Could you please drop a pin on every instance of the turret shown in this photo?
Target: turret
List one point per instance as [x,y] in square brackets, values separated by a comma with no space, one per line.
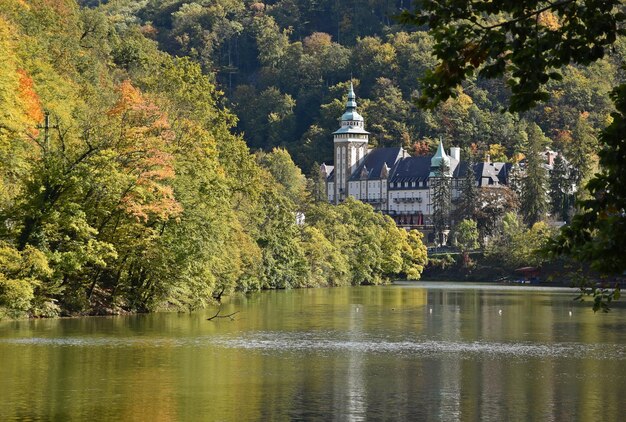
[437,160]
[351,141]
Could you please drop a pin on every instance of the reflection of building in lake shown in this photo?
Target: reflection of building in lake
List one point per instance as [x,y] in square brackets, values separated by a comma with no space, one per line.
[391,180]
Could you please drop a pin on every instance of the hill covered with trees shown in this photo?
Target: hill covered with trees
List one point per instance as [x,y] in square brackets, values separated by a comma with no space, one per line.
[284,67]
[124,188]
[147,145]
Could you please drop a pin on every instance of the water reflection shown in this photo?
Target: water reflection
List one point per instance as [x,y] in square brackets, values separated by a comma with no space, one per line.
[343,354]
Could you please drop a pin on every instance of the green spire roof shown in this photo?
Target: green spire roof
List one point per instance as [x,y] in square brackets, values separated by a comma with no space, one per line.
[351,114]
[439,158]
[351,104]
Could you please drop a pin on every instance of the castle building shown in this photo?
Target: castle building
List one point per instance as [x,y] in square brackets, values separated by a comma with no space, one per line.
[391,180]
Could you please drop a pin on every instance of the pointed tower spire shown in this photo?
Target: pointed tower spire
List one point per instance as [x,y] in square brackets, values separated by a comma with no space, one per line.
[350,142]
[438,159]
[351,117]
[441,152]
[351,104]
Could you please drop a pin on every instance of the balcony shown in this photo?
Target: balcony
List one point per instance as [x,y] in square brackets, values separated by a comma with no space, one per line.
[407,200]
[374,200]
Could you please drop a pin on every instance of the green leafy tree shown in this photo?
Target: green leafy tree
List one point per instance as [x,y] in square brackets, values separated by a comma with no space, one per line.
[23,274]
[497,153]
[387,124]
[522,39]
[581,153]
[271,41]
[414,56]
[414,254]
[284,261]
[596,234]
[375,249]
[266,117]
[329,265]
[534,200]
[518,246]
[373,58]
[286,173]
[317,184]
[466,237]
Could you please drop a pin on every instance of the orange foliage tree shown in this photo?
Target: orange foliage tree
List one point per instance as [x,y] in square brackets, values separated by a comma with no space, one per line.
[144,143]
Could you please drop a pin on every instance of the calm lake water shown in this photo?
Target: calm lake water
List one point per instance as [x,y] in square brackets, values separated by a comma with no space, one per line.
[418,351]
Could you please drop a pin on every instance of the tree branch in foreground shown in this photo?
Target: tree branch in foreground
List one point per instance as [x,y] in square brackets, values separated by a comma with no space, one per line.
[217,315]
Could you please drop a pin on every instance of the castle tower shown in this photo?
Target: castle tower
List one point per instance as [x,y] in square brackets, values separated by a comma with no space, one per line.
[350,141]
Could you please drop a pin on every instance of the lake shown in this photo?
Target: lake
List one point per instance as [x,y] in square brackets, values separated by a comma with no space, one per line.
[419,351]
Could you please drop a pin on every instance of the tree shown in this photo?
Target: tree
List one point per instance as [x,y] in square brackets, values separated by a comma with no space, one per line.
[455,119]
[286,173]
[414,254]
[441,202]
[387,124]
[494,202]
[523,40]
[596,234]
[375,249]
[534,183]
[285,264]
[271,41]
[560,189]
[497,153]
[468,202]
[581,153]
[518,246]
[266,117]
[317,184]
[329,265]
[22,273]
[466,238]
[372,59]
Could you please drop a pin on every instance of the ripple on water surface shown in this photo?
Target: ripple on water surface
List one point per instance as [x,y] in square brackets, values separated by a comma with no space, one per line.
[269,341]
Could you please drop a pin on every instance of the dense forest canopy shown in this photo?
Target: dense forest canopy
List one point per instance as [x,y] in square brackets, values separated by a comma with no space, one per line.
[154,151]
[123,187]
[284,67]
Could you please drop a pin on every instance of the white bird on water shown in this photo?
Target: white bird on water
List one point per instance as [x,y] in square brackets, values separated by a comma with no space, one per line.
[430,311]
[500,312]
[570,313]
